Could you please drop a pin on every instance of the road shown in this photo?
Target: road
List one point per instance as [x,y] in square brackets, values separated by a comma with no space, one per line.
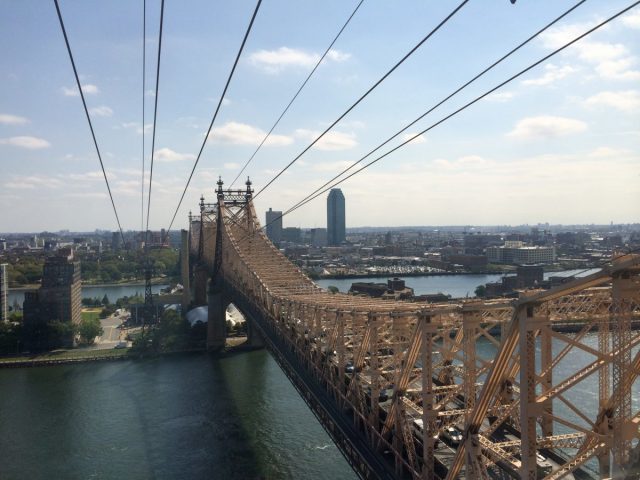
[112,335]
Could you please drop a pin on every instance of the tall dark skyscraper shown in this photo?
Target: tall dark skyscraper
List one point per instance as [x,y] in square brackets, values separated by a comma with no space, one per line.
[335,217]
[274,226]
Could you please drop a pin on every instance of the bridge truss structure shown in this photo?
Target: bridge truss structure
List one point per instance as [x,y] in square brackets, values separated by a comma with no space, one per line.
[543,386]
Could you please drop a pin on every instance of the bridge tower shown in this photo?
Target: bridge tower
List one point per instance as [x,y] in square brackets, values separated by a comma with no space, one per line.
[234,205]
[200,273]
[184,271]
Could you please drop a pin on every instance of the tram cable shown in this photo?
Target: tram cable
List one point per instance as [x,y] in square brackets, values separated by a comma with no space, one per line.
[144,63]
[224,91]
[155,113]
[451,95]
[456,112]
[86,111]
[326,52]
[371,89]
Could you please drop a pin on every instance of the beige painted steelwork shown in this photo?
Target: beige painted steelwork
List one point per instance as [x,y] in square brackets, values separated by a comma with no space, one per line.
[405,371]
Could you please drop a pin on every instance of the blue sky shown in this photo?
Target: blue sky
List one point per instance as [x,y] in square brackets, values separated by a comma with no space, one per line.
[558,145]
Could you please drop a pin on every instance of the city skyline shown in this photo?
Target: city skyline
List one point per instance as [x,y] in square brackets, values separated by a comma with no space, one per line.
[559,145]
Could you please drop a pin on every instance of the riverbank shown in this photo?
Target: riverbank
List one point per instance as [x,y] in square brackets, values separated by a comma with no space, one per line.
[500,271]
[410,274]
[131,283]
[61,357]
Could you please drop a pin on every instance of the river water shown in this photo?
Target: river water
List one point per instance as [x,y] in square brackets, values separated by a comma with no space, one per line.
[192,417]
[458,286]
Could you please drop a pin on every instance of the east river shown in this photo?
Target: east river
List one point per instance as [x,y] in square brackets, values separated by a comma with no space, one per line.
[192,416]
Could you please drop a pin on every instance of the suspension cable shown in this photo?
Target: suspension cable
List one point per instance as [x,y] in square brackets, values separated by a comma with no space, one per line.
[144,63]
[326,52]
[456,112]
[371,89]
[448,97]
[224,91]
[86,111]
[155,112]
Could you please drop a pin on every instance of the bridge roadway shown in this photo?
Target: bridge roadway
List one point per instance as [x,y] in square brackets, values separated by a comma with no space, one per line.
[345,353]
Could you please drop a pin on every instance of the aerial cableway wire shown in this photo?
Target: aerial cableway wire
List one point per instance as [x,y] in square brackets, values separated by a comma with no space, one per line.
[454,113]
[224,91]
[447,98]
[371,89]
[144,64]
[326,52]
[155,113]
[86,111]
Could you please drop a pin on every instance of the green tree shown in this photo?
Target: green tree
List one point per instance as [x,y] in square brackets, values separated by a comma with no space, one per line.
[481,291]
[105,300]
[333,289]
[89,329]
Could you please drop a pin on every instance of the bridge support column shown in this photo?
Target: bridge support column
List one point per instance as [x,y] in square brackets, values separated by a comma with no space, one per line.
[200,286]
[184,271]
[625,295]
[216,325]
[254,339]
[546,360]
[529,412]
[429,415]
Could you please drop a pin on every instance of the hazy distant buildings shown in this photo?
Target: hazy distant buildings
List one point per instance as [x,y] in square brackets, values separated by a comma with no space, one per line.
[57,300]
[4,287]
[335,217]
[274,226]
[517,253]
[318,237]
[292,234]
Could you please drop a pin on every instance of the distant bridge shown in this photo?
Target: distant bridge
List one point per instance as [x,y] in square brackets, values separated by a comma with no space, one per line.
[387,379]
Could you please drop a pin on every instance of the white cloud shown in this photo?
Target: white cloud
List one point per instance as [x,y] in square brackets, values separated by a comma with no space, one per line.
[462,163]
[136,126]
[331,141]
[273,61]
[337,56]
[546,126]
[88,89]
[167,155]
[7,119]
[612,61]
[627,101]
[237,133]
[620,69]
[501,96]
[631,20]
[602,152]
[89,176]
[231,166]
[416,141]
[101,111]
[33,181]
[552,73]
[31,143]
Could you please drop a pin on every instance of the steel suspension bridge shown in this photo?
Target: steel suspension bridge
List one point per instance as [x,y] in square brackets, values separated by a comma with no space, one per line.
[387,379]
